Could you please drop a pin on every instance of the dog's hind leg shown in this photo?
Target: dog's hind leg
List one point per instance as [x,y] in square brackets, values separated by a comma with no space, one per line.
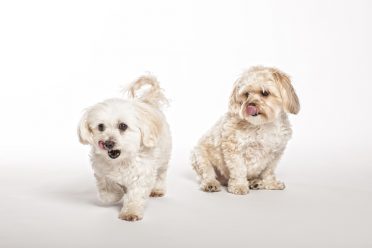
[159,188]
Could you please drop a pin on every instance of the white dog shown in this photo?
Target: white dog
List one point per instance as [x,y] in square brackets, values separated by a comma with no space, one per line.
[243,148]
[131,147]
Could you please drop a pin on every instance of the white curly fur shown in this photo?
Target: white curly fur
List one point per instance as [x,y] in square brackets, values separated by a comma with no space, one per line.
[243,148]
[145,147]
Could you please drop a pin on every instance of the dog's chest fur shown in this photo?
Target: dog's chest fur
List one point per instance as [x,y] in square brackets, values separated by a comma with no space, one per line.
[255,146]
[261,145]
[264,139]
[125,173]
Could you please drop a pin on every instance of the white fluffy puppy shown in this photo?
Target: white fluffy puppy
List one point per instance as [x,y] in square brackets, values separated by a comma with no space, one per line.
[131,146]
[243,148]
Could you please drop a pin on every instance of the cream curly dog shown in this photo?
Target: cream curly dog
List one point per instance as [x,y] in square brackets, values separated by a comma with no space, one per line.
[131,146]
[243,148]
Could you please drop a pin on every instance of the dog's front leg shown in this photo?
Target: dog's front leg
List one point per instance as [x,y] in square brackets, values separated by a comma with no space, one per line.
[267,179]
[108,191]
[135,200]
[238,183]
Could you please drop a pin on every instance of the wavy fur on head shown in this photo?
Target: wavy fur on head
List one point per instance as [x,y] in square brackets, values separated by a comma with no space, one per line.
[131,146]
[243,148]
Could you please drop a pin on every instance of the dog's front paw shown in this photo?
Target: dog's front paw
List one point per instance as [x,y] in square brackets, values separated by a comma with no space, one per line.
[211,186]
[157,193]
[266,184]
[256,184]
[238,188]
[109,197]
[276,185]
[130,216]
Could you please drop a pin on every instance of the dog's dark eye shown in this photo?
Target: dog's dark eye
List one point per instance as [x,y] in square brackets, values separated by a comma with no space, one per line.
[101,127]
[265,93]
[123,126]
[246,94]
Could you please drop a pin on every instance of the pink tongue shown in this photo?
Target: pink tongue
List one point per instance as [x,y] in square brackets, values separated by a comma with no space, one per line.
[101,144]
[251,110]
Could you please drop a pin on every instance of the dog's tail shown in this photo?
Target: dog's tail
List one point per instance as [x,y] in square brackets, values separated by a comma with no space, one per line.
[147,89]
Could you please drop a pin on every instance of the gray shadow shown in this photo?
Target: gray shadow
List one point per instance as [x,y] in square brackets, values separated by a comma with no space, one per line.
[78,192]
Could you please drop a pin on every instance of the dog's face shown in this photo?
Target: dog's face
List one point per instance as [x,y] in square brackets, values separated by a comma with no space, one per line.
[118,129]
[261,94]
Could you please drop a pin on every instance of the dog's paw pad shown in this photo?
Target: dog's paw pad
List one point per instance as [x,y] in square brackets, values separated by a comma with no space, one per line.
[157,193]
[256,184]
[130,217]
[212,186]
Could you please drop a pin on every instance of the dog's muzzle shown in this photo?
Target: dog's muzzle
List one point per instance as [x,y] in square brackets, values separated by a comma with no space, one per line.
[106,145]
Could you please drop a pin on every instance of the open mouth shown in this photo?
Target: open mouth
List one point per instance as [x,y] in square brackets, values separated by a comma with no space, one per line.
[113,153]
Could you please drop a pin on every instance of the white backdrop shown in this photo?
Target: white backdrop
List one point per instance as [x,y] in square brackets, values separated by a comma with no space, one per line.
[59,57]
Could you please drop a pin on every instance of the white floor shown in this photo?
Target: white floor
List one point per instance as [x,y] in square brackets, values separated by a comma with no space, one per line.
[54,204]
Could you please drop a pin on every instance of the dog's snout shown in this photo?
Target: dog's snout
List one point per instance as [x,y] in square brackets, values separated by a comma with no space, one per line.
[109,144]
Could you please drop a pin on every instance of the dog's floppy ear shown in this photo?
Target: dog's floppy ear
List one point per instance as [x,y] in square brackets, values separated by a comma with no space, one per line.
[84,132]
[234,102]
[150,125]
[291,103]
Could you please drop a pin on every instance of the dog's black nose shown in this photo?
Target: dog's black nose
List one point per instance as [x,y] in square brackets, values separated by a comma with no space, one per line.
[251,104]
[109,144]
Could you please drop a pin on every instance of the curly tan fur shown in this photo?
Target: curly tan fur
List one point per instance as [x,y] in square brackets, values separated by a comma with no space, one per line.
[243,148]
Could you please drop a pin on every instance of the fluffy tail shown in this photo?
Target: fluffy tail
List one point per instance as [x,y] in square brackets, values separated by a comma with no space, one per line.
[147,89]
